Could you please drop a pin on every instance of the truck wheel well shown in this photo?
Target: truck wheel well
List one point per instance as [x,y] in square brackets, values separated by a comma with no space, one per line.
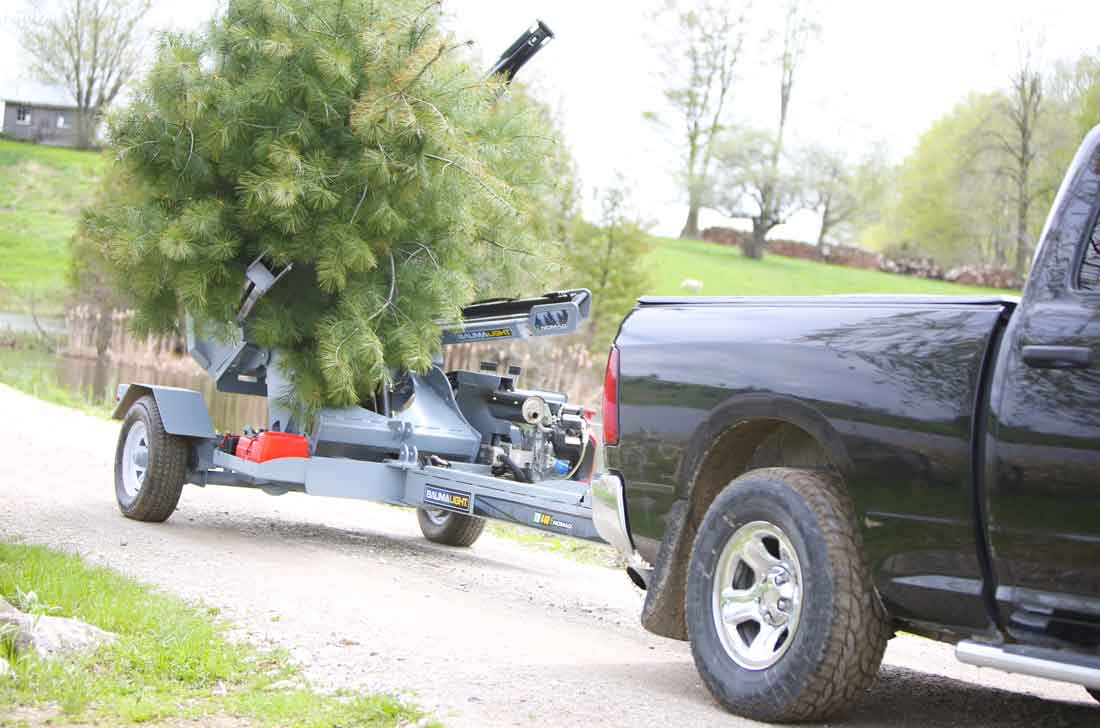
[762,443]
[748,445]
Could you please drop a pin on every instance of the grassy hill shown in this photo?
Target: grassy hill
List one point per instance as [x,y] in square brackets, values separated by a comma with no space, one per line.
[724,271]
[42,190]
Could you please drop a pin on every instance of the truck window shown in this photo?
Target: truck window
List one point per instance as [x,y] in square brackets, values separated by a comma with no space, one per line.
[1088,275]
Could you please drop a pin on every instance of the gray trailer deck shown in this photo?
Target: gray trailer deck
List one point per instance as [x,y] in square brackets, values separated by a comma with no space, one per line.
[460,446]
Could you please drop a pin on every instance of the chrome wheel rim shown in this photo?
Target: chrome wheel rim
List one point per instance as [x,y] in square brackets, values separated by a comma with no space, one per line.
[757,595]
[135,459]
[437,516]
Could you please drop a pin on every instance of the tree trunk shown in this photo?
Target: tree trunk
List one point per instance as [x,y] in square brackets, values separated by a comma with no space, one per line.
[826,223]
[1023,205]
[691,225]
[1023,248]
[754,246]
[85,126]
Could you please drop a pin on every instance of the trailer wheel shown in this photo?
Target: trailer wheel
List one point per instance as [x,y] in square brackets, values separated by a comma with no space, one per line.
[452,529]
[784,622]
[150,465]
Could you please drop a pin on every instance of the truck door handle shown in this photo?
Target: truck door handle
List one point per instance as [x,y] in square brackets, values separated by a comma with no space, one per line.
[1058,357]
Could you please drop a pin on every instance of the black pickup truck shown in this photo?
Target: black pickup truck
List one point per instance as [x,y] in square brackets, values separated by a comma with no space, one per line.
[796,478]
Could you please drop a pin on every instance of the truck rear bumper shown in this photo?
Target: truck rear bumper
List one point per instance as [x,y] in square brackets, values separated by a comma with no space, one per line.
[609,512]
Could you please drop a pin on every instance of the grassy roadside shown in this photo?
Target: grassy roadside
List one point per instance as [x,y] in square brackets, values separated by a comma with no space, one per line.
[586,552]
[171,660]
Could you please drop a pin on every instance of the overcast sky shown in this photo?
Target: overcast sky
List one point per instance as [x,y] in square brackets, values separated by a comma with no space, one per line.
[880,71]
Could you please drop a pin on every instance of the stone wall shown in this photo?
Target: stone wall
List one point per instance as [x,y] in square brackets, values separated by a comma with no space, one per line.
[855,257]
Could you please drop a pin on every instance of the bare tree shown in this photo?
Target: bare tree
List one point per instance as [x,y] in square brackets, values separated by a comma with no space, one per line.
[845,194]
[700,55]
[1020,109]
[91,47]
[830,188]
[753,182]
[760,176]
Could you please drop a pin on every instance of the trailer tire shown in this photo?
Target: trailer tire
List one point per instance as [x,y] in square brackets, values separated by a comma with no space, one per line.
[451,529]
[150,465]
[798,632]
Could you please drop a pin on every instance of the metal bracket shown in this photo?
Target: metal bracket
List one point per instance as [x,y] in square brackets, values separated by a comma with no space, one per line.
[402,430]
[408,456]
[259,280]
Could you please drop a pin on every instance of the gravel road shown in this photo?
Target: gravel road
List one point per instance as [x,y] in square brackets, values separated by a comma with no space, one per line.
[500,634]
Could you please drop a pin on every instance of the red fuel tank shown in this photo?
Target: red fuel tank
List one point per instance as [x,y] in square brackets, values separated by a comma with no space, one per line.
[271,445]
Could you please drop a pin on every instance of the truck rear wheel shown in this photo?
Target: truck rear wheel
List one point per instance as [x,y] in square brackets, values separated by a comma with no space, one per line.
[783,620]
[451,529]
[150,465]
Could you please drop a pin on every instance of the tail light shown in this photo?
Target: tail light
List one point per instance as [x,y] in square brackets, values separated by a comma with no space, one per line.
[611,399]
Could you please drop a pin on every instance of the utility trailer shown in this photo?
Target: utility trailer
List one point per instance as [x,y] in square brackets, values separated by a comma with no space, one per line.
[460,446]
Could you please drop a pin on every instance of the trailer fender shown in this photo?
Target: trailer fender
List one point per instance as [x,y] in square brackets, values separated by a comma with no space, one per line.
[183,411]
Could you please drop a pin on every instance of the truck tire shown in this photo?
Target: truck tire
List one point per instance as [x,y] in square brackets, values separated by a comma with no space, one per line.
[450,529]
[150,465]
[783,619]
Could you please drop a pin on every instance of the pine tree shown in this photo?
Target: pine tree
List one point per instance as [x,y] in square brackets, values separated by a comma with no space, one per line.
[353,138]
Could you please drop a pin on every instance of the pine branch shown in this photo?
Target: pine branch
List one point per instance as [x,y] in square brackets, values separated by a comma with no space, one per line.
[476,178]
[359,204]
[190,151]
[505,248]
[393,291]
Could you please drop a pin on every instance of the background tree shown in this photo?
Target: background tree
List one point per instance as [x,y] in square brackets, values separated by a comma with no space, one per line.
[1016,139]
[558,201]
[753,183]
[844,193]
[978,185]
[756,180]
[1074,91]
[90,275]
[950,204]
[91,48]
[702,44]
[607,257]
[1088,83]
[351,138]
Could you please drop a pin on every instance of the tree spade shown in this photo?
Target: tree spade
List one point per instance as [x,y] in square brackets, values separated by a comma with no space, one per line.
[354,139]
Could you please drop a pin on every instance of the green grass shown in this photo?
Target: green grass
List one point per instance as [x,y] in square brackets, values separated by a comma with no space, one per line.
[170,659]
[724,271]
[42,190]
[586,552]
[27,363]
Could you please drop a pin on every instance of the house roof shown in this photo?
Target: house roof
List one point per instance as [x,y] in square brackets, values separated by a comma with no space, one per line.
[36,105]
[32,93]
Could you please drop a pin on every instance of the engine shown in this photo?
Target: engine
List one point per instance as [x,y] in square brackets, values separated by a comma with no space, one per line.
[526,435]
